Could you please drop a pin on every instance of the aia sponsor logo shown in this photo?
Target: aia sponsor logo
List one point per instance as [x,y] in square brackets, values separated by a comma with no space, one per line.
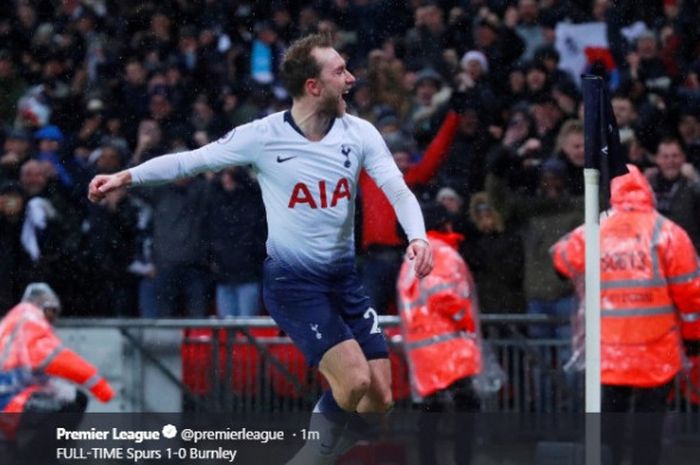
[301,194]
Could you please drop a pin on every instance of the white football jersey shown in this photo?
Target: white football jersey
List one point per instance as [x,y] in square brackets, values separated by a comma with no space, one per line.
[309,188]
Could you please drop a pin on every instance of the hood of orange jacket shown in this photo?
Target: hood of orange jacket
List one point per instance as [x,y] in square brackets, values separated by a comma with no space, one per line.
[632,192]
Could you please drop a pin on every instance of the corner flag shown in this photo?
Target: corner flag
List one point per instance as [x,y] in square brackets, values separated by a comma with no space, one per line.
[602,138]
[603,162]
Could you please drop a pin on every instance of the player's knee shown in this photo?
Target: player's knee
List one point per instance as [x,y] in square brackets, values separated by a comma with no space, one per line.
[353,389]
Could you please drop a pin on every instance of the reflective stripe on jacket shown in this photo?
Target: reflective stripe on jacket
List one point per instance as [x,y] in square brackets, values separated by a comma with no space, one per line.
[650,286]
[439,320]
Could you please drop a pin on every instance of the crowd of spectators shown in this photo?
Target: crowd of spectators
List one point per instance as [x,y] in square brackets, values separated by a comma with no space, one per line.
[95,86]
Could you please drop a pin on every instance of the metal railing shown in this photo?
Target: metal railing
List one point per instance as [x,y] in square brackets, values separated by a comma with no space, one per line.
[245,365]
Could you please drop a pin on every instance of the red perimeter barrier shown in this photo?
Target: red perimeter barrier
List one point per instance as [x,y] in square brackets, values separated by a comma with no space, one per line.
[247,361]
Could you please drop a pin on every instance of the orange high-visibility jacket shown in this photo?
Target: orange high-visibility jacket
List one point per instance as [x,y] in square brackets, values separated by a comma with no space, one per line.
[29,345]
[650,286]
[439,319]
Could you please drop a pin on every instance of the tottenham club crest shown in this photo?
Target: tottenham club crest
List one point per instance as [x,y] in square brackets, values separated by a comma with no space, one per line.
[314,328]
[345,150]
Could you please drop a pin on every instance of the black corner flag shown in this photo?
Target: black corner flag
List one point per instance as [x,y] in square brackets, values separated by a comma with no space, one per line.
[602,138]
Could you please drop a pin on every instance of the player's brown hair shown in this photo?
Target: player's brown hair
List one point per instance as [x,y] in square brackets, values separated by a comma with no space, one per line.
[299,64]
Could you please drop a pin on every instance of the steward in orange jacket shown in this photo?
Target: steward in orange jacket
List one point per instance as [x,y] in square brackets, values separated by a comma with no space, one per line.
[650,286]
[31,354]
[439,317]
[440,328]
[650,304]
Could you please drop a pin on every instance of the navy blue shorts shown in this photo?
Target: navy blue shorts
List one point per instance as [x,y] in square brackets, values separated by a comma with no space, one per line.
[318,313]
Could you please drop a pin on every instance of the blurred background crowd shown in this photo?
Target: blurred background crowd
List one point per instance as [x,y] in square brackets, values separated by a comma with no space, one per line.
[476,100]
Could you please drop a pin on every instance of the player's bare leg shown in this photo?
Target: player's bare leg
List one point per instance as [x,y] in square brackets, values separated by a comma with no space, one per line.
[378,398]
[350,377]
[347,371]
[371,411]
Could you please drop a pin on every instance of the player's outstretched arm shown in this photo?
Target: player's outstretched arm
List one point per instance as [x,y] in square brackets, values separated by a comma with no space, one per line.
[239,147]
[105,183]
[419,251]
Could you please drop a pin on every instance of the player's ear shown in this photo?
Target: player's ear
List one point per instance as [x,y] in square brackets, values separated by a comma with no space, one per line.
[313,87]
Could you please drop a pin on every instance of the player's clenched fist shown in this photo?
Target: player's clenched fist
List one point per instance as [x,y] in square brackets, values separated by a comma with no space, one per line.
[104,183]
[419,251]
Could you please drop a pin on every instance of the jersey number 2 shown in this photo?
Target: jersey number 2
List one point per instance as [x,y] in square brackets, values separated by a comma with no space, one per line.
[371,313]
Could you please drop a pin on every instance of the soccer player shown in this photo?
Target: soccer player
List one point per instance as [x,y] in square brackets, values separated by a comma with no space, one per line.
[308,160]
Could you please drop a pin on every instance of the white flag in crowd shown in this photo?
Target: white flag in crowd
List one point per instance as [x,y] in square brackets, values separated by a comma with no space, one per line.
[579,45]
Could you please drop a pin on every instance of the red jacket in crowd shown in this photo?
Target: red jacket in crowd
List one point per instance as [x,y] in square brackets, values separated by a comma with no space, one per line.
[379,223]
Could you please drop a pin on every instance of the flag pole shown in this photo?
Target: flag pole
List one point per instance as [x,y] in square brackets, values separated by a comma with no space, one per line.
[592,237]
[592,91]
[592,317]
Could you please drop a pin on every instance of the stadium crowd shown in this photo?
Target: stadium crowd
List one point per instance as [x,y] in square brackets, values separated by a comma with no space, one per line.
[471,97]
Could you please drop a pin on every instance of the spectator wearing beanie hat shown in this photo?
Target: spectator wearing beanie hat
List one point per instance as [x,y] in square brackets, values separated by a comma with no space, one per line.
[474,78]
